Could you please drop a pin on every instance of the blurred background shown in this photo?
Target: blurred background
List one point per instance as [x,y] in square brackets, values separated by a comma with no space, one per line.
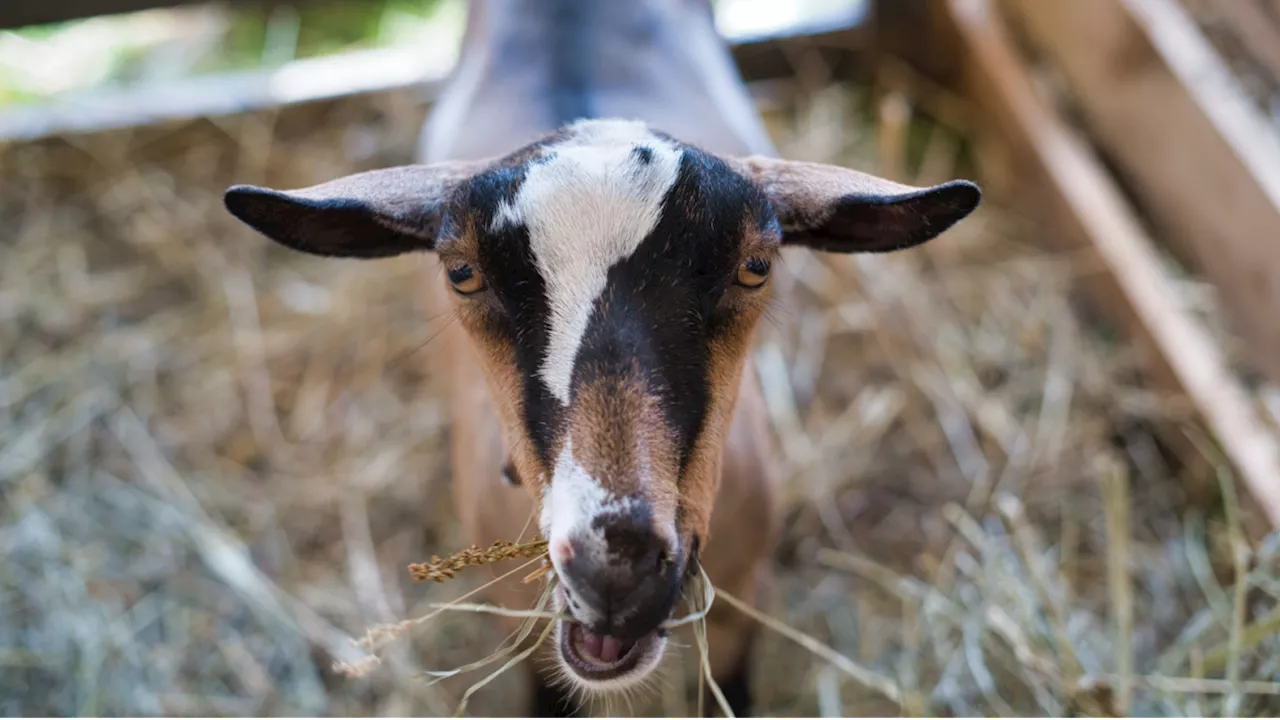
[1031,468]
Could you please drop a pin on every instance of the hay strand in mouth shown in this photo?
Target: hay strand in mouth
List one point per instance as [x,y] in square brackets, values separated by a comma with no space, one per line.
[517,658]
[531,619]
[708,597]
[442,569]
[496,610]
[704,651]
[380,635]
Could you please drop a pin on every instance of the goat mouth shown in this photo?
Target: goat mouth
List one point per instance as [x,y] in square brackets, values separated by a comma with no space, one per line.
[604,662]
[601,658]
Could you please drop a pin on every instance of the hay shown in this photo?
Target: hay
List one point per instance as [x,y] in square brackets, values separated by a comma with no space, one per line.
[217,457]
[440,570]
[706,680]
[508,652]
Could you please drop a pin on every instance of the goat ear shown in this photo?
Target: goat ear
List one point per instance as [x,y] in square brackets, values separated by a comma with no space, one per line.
[831,208]
[368,215]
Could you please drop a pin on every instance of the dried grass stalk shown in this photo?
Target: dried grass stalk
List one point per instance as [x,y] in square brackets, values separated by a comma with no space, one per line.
[864,676]
[188,417]
[440,570]
[1114,479]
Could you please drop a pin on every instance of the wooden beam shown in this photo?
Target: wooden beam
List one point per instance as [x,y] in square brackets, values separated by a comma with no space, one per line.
[20,13]
[1201,159]
[301,81]
[899,26]
[1089,211]
[418,69]
[1255,27]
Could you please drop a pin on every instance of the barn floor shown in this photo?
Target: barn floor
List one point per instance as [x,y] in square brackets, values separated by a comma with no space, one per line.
[217,458]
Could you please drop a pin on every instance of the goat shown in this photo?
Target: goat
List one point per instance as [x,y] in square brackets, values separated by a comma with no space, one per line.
[601,208]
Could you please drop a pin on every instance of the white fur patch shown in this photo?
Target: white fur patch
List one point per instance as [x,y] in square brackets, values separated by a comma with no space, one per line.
[573,501]
[587,207]
[569,509]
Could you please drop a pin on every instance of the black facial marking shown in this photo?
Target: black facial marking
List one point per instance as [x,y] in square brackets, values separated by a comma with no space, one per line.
[658,312]
[629,533]
[508,263]
[643,154]
[660,307]
[767,221]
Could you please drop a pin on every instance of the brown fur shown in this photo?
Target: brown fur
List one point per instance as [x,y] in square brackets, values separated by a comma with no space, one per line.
[619,437]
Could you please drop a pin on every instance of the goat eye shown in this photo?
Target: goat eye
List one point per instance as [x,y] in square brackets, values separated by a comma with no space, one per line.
[753,272]
[465,280]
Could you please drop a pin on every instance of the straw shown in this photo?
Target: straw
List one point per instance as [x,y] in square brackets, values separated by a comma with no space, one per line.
[217,457]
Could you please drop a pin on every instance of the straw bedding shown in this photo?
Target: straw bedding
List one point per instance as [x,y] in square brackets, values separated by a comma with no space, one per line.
[217,459]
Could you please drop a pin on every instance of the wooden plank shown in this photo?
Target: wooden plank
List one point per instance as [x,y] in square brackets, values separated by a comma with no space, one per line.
[1201,160]
[20,13]
[1255,27]
[353,73]
[899,25]
[1091,212]
[301,81]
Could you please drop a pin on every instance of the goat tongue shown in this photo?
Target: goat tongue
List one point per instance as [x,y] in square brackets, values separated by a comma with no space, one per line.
[605,648]
[592,643]
[611,649]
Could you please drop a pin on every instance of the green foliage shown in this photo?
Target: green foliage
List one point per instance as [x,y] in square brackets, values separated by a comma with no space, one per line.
[320,28]
[135,47]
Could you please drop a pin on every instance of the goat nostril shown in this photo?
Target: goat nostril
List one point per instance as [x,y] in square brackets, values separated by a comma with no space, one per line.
[662,560]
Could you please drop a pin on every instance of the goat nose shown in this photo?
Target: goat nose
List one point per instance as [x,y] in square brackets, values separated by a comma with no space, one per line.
[625,575]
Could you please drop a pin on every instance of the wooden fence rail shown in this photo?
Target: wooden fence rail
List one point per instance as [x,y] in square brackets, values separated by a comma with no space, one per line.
[19,13]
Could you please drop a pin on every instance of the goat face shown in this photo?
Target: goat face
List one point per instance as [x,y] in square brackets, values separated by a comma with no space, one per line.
[612,277]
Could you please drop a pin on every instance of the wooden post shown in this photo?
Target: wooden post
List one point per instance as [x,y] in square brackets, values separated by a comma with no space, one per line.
[20,13]
[1088,210]
[1259,32]
[1200,157]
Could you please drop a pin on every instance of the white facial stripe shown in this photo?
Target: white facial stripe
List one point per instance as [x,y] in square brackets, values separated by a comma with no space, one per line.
[588,207]
[574,500]
[505,216]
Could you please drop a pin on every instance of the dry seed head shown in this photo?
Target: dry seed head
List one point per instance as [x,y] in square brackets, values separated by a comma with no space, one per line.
[440,570]
[359,668]
[543,570]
